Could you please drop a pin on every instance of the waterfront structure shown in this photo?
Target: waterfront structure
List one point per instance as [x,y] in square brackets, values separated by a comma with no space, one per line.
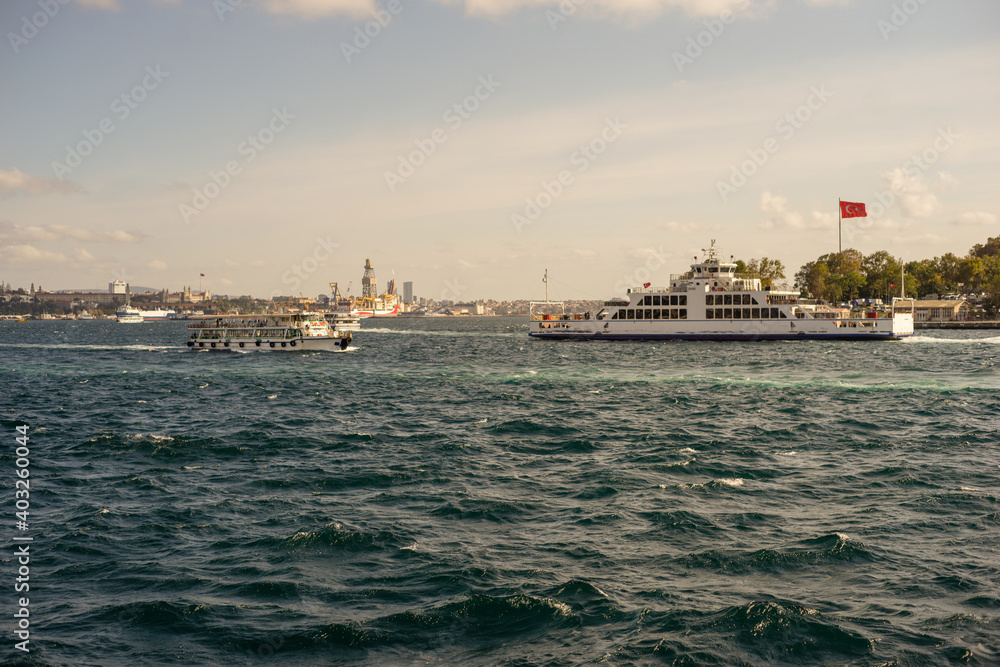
[940,310]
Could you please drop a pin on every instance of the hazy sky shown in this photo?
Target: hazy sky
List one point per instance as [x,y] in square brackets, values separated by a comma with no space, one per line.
[467,146]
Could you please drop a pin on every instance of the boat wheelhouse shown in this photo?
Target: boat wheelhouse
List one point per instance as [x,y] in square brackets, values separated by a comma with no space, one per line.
[129,315]
[713,301]
[292,332]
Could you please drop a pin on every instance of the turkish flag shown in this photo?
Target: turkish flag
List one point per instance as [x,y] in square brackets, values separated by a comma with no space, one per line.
[645,285]
[849,209]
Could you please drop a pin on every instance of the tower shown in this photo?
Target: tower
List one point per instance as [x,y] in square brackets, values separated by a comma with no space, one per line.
[369,284]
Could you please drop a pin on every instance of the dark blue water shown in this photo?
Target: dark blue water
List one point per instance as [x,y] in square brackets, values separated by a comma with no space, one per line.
[451,492]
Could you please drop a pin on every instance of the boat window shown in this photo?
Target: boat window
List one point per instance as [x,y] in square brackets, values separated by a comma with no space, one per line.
[649,313]
[683,300]
[647,301]
[728,299]
[638,313]
[755,313]
[756,302]
[710,299]
[783,316]
[728,313]
[614,316]
[656,313]
[621,314]
[737,313]
[718,299]
[684,314]
[673,313]
[656,301]
[746,313]
[710,314]
[631,314]
[765,313]
[673,299]
[746,299]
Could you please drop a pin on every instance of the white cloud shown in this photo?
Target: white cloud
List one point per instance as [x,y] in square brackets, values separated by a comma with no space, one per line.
[27,253]
[975,218]
[780,216]
[158,265]
[310,9]
[82,255]
[14,181]
[913,194]
[614,8]
[12,232]
[226,281]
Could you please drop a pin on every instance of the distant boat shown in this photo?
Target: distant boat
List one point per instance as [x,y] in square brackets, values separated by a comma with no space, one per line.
[129,316]
[292,332]
[154,315]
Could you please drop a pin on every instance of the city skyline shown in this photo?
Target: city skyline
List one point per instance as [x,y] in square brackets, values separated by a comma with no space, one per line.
[469,146]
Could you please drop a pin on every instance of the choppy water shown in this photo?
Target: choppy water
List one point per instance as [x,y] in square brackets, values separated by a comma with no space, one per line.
[450,491]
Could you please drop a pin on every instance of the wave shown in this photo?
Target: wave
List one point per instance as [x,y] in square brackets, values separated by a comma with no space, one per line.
[67,346]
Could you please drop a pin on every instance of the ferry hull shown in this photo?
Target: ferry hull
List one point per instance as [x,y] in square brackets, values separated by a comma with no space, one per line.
[893,328]
[314,344]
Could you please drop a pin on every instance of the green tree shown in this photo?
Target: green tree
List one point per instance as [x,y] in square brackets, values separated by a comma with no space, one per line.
[768,270]
[881,270]
[990,249]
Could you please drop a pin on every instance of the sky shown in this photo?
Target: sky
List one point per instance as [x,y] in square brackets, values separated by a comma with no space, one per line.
[470,145]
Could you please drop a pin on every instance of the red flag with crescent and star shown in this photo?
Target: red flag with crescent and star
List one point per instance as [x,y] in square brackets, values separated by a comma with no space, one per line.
[850,209]
[646,285]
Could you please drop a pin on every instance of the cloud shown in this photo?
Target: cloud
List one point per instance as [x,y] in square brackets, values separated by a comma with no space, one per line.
[27,253]
[158,265]
[233,264]
[975,218]
[780,216]
[913,194]
[82,255]
[579,252]
[11,232]
[226,281]
[311,9]
[614,8]
[14,181]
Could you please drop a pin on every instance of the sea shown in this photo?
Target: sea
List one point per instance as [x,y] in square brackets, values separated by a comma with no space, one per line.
[450,491]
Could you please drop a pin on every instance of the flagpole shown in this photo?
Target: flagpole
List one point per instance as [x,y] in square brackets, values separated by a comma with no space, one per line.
[840,226]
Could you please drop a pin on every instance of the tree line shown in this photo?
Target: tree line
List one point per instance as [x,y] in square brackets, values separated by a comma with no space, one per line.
[841,276]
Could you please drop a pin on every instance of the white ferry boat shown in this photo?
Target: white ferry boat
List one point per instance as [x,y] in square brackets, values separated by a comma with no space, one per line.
[158,314]
[294,332]
[129,315]
[713,302]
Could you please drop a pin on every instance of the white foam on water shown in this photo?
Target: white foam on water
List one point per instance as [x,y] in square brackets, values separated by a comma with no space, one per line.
[688,450]
[729,481]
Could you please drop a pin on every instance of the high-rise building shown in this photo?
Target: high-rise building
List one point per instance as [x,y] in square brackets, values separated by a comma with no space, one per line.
[408,292]
[117,287]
